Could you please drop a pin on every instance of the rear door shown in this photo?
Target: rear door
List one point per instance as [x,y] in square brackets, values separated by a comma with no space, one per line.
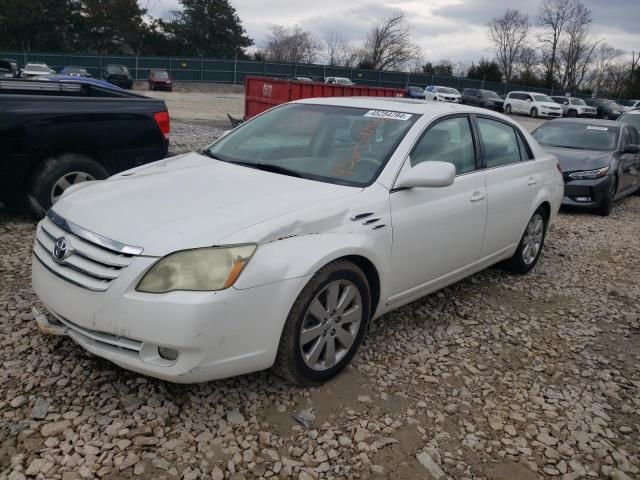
[512,184]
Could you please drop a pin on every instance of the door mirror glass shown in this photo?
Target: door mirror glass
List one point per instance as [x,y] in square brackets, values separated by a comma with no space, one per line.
[430,174]
[632,148]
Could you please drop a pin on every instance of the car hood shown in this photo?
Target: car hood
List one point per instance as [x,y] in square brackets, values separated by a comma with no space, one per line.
[190,201]
[572,160]
[552,105]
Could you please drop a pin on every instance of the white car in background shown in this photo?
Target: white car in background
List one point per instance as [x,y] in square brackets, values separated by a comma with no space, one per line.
[628,105]
[280,242]
[442,94]
[36,69]
[532,104]
[339,80]
[575,107]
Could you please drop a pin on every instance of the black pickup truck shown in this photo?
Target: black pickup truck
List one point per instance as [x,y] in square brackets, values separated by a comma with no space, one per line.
[54,134]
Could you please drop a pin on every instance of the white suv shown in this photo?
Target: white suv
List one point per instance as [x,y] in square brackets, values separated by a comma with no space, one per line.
[533,104]
[280,242]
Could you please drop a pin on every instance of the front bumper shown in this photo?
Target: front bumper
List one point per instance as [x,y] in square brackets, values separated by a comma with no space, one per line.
[217,334]
[586,193]
[550,113]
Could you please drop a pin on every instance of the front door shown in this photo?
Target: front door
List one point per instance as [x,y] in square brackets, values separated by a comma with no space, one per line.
[437,232]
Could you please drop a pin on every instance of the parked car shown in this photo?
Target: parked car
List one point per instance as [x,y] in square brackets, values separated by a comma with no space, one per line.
[118,75]
[533,104]
[574,107]
[79,80]
[607,109]
[482,98]
[200,247]
[600,160]
[36,69]
[339,80]
[160,80]
[442,94]
[9,68]
[75,72]
[55,134]
[628,105]
[414,92]
[631,118]
[301,79]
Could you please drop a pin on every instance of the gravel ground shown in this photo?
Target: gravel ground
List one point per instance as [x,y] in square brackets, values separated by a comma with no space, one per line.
[498,377]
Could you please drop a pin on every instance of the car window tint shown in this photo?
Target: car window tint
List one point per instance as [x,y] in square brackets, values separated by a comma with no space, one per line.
[500,143]
[524,151]
[447,141]
[626,137]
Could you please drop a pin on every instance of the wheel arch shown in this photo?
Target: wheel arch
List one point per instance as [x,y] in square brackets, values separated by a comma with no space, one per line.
[373,277]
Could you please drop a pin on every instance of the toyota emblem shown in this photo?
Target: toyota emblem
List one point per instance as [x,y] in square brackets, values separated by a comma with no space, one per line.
[61,250]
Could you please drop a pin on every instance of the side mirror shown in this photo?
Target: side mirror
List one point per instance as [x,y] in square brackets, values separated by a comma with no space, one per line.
[429,174]
[529,100]
[631,149]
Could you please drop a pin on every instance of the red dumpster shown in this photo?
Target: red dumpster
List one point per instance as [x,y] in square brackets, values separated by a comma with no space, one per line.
[262,93]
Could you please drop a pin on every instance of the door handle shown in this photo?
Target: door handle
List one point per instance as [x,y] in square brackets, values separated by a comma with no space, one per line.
[477,196]
[532,181]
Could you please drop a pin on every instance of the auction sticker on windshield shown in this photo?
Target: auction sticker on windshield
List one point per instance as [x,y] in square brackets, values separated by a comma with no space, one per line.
[389,115]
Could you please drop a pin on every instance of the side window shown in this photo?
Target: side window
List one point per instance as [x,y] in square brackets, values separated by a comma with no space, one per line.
[524,150]
[500,143]
[635,136]
[447,141]
[626,137]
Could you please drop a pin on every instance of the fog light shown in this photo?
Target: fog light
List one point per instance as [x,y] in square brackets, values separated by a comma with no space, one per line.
[583,199]
[168,353]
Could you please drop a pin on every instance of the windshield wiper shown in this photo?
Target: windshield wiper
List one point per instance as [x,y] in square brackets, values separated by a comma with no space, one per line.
[212,155]
[567,146]
[269,168]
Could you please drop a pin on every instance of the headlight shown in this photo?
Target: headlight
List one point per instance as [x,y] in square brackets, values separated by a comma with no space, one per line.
[590,174]
[200,269]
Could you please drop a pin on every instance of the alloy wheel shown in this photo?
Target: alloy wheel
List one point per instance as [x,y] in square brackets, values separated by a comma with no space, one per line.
[330,325]
[66,181]
[532,241]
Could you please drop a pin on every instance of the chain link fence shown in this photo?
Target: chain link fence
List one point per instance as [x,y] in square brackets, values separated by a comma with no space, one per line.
[216,70]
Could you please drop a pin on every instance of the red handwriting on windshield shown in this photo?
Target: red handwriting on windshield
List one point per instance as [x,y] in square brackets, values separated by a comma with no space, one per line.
[362,145]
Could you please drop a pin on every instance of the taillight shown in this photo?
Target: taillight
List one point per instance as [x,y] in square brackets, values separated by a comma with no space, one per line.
[162,120]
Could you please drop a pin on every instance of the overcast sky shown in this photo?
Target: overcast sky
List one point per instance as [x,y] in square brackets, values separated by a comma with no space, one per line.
[445,29]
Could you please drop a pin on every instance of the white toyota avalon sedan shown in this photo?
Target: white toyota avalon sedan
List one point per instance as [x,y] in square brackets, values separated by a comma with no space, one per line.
[279,243]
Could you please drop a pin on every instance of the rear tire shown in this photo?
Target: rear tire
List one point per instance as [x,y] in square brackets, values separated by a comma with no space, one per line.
[507,109]
[313,345]
[534,112]
[55,174]
[530,247]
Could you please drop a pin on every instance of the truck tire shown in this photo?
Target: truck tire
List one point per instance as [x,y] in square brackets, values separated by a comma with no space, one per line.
[55,174]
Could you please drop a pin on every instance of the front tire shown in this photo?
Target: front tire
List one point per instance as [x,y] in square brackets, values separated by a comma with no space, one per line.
[507,109]
[572,114]
[534,112]
[604,209]
[530,247]
[325,326]
[55,174]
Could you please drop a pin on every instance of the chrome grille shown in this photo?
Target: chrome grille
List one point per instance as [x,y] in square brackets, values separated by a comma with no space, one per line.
[88,265]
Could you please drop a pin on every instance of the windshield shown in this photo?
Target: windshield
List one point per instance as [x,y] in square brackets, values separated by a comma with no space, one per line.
[543,98]
[341,145]
[117,69]
[577,101]
[447,90]
[577,135]
[631,119]
[611,104]
[162,75]
[344,81]
[37,68]
[490,94]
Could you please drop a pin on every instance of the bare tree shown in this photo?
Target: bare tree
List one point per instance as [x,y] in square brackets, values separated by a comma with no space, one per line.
[576,50]
[553,17]
[291,45]
[389,45]
[605,57]
[338,52]
[508,34]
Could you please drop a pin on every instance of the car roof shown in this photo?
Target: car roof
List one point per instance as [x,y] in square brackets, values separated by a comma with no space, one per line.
[585,121]
[400,104]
